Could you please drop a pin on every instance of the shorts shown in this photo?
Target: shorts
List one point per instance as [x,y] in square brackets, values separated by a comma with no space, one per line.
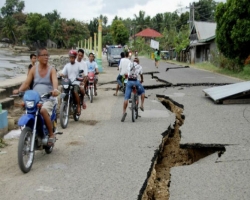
[49,106]
[76,88]
[130,84]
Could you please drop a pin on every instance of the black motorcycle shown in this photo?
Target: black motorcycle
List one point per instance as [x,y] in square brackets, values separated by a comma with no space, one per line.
[68,101]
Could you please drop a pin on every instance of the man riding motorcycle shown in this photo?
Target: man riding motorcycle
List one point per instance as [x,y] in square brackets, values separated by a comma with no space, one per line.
[44,79]
[92,67]
[71,70]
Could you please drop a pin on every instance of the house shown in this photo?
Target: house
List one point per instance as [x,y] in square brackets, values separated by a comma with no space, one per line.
[51,44]
[202,41]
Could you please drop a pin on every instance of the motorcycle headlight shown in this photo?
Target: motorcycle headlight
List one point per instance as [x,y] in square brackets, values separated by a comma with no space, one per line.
[30,104]
[65,86]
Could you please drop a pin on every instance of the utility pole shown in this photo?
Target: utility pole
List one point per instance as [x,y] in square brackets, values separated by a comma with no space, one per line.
[191,15]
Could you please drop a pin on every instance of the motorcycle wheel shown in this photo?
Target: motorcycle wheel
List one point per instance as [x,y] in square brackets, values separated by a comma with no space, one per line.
[91,95]
[64,118]
[133,107]
[48,149]
[25,157]
[75,116]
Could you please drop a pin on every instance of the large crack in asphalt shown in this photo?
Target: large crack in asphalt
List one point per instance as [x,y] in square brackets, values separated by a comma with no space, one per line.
[171,154]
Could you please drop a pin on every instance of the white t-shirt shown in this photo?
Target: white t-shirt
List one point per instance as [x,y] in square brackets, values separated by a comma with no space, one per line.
[83,66]
[123,66]
[72,71]
[134,70]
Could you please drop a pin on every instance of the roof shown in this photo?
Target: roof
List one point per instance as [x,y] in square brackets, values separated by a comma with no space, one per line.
[205,30]
[149,33]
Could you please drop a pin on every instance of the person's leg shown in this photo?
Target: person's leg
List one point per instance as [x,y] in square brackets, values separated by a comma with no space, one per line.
[82,100]
[76,94]
[119,77]
[46,111]
[126,98]
[141,92]
[119,80]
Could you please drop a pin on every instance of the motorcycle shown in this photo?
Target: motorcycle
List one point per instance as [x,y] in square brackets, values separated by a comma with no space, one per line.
[90,85]
[34,134]
[68,101]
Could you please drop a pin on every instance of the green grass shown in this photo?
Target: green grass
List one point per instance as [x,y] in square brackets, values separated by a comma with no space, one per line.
[244,74]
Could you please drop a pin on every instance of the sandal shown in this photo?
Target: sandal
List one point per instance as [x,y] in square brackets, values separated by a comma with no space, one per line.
[142,109]
[115,94]
[51,140]
[123,117]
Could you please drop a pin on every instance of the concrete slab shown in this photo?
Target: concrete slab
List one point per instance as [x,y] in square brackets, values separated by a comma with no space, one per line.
[227,91]
[222,181]
[235,153]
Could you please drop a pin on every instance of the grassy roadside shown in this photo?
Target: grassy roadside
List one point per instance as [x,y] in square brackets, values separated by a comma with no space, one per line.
[243,75]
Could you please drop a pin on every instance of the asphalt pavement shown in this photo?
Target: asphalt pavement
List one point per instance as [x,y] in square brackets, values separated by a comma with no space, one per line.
[100,157]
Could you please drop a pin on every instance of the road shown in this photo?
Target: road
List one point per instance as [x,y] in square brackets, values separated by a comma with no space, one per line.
[100,157]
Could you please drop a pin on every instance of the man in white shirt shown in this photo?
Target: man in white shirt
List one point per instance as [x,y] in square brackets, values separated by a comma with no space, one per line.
[71,70]
[123,69]
[81,62]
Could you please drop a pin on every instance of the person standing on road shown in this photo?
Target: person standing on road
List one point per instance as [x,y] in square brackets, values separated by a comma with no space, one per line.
[157,57]
[45,81]
[134,70]
[71,70]
[33,63]
[123,69]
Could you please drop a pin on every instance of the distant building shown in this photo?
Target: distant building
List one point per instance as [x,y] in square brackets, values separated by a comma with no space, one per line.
[51,44]
[202,41]
[148,34]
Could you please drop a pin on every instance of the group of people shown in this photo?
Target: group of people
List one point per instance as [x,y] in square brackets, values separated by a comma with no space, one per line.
[132,70]
[44,79]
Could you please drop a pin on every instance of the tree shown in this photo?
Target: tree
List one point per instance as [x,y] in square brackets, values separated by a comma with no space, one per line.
[93,26]
[53,16]
[119,32]
[183,20]
[105,20]
[142,21]
[38,27]
[233,32]
[11,7]
[9,28]
[205,10]
[157,22]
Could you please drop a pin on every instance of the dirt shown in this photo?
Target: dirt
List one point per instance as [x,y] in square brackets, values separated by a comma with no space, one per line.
[170,155]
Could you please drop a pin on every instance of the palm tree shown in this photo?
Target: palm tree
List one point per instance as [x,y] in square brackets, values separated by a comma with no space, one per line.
[141,21]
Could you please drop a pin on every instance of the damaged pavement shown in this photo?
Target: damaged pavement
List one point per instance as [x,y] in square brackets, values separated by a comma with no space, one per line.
[221,131]
[183,146]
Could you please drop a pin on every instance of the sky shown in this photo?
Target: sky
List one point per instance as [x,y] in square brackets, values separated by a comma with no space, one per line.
[86,10]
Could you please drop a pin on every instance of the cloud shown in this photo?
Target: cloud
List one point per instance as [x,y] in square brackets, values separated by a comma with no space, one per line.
[113,6]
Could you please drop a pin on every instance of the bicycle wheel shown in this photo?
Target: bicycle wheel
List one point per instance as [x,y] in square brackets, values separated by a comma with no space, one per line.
[136,106]
[133,106]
